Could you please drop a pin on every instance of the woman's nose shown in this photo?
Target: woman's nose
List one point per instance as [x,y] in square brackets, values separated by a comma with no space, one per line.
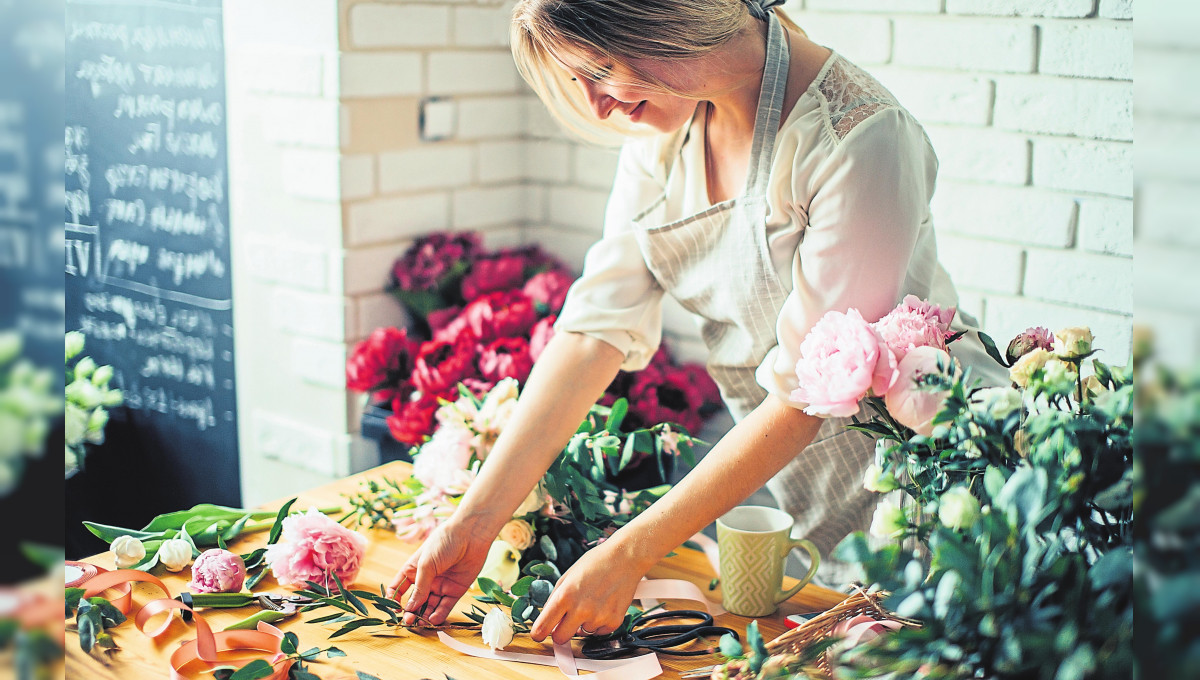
[601,104]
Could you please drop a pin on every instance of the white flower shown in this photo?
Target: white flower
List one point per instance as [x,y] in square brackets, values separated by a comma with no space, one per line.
[1073,342]
[497,629]
[517,533]
[175,554]
[74,343]
[532,503]
[497,406]
[1059,375]
[997,402]
[128,551]
[958,508]
[1022,371]
[889,520]
[875,480]
[501,564]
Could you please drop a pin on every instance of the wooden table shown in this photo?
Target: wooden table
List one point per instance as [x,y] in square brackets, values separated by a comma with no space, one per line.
[388,654]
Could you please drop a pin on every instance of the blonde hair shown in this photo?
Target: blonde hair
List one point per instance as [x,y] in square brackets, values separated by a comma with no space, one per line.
[618,32]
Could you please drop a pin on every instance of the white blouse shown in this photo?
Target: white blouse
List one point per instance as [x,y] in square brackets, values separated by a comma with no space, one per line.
[848,225]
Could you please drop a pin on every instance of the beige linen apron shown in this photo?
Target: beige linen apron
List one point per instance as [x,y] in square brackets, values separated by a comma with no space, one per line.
[717,264]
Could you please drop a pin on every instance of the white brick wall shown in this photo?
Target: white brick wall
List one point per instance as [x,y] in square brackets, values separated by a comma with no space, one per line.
[386,219]
[1100,109]
[978,45]
[1022,8]
[1087,50]
[379,25]
[426,167]
[380,74]
[472,72]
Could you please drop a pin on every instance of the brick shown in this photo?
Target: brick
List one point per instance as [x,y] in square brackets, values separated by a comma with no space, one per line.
[1086,50]
[940,97]
[889,6]
[502,237]
[472,73]
[863,39]
[482,26]
[1106,225]
[1092,167]
[367,269]
[982,265]
[1023,215]
[1159,73]
[980,45]
[279,71]
[304,24]
[294,443]
[311,173]
[425,167]
[1087,280]
[980,154]
[358,176]
[1023,8]
[539,123]
[386,74]
[388,219]
[275,260]
[569,245]
[479,208]
[1116,9]
[1167,148]
[303,121]
[972,303]
[1168,24]
[535,203]
[1059,106]
[547,161]
[378,310]
[317,316]
[439,119]
[595,167]
[1007,316]
[1166,212]
[380,123]
[375,25]
[485,117]
[501,161]
[581,209]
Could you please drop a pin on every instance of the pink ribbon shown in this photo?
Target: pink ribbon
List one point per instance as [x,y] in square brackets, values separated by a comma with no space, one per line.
[641,667]
[862,629]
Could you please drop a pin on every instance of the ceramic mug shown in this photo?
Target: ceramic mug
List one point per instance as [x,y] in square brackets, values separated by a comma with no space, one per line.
[754,543]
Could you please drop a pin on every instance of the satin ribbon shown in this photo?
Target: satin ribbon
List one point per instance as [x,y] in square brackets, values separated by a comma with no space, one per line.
[862,629]
[206,649]
[711,551]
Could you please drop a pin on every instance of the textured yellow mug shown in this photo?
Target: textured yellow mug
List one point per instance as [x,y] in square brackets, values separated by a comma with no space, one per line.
[754,543]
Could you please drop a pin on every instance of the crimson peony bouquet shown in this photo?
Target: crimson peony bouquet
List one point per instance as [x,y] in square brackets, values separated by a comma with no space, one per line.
[481,317]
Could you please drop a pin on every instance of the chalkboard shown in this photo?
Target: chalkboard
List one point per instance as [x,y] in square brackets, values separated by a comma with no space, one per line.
[147,247]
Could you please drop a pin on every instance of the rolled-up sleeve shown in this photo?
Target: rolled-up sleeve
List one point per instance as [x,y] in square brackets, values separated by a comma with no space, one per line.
[617,299]
[869,201]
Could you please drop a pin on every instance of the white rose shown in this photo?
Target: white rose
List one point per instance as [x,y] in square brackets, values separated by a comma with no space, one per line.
[889,520]
[958,508]
[532,503]
[128,551]
[1022,371]
[175,554]
[517,533]
[997,402]
[1073,342]
[875,480]
[497,629]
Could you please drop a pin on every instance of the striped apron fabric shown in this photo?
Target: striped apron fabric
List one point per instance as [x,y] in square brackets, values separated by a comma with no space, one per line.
[717,264]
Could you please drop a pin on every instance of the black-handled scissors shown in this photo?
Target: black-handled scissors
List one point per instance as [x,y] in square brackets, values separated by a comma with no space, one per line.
[636,635]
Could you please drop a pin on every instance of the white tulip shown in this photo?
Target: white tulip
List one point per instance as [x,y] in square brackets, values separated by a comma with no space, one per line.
[175,554]
[497,629]
[128,551]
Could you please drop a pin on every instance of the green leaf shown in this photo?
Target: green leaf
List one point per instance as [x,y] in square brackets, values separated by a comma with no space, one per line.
[365,676]
[253,670]
[545,570]
[277,528]
[521,587]
[355,625]
[255,578]
[326,618]
[993,481]
[235,530]
[547,546]
[730,647]
[629,450]
[318,588]
[108,534]
[288,645]
[616,415]
[45,556]
[990,347]
[539,592]
[88,629]
[72,599]
[334,652]
[488,586]
[518,608]
[109,614]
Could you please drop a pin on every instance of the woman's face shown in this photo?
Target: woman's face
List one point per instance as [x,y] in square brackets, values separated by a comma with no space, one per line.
[614,90]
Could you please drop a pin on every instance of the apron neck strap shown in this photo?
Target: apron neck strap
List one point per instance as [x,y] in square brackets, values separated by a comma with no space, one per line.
[770,106]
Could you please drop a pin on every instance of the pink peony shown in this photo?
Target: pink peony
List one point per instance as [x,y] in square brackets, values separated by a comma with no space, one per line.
[1033,338]
[549,289]
[932,313]
[923,380]
[217,571]
[428,510]
[843,359]
[540,336]
[915,323]
[500,315]
[443,456]
[312,547]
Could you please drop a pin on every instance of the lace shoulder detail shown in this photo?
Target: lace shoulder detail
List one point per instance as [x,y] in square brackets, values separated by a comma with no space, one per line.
[852,96]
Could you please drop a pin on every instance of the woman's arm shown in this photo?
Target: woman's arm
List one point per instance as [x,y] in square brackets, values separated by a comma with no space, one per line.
[596,592]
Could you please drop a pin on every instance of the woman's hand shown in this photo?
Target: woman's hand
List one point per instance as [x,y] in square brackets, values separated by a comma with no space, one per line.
[440,572]
[594,595]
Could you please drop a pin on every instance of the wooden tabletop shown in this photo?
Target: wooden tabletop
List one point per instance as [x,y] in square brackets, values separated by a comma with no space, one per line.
[389,654]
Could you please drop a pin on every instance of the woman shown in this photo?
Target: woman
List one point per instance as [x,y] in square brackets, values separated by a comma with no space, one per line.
[780,182]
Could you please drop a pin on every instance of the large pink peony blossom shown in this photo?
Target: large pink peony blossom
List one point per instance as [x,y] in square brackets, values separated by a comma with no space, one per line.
[923,380]
[312,547]
[915,323]
[441,458]
[217,571]
[843,359]
[549,289]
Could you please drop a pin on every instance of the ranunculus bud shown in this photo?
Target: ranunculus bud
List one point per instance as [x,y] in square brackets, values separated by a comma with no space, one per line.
[1059,375]
[497,629]
[958,508]
[85,367]
[102,375]
[889,521]
[517,533]
[1073,342]
[1033,338]
[128,551]
[1022,371]
[175,554]
[74,342]
[217,571]
[997,402]
[84,393]
[112,398]
[875,480]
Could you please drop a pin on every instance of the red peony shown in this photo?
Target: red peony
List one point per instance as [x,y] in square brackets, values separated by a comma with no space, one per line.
[500,315]
[705,385]
[506,358]
[411,421]
[441,364]
[549,288]
[432,259]
[543,332]
[489,273]
[383,361]
[534,258]
[440,318]
[666,396]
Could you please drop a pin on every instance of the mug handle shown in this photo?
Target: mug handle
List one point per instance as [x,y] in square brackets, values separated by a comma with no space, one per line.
[812,570]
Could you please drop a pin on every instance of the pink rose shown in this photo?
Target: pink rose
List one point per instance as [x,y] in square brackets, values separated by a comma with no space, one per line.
[506,358]
[549,289]
[217,571]
[924,378]
[543,332]
[428,510]
[843,359]
[313,546]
